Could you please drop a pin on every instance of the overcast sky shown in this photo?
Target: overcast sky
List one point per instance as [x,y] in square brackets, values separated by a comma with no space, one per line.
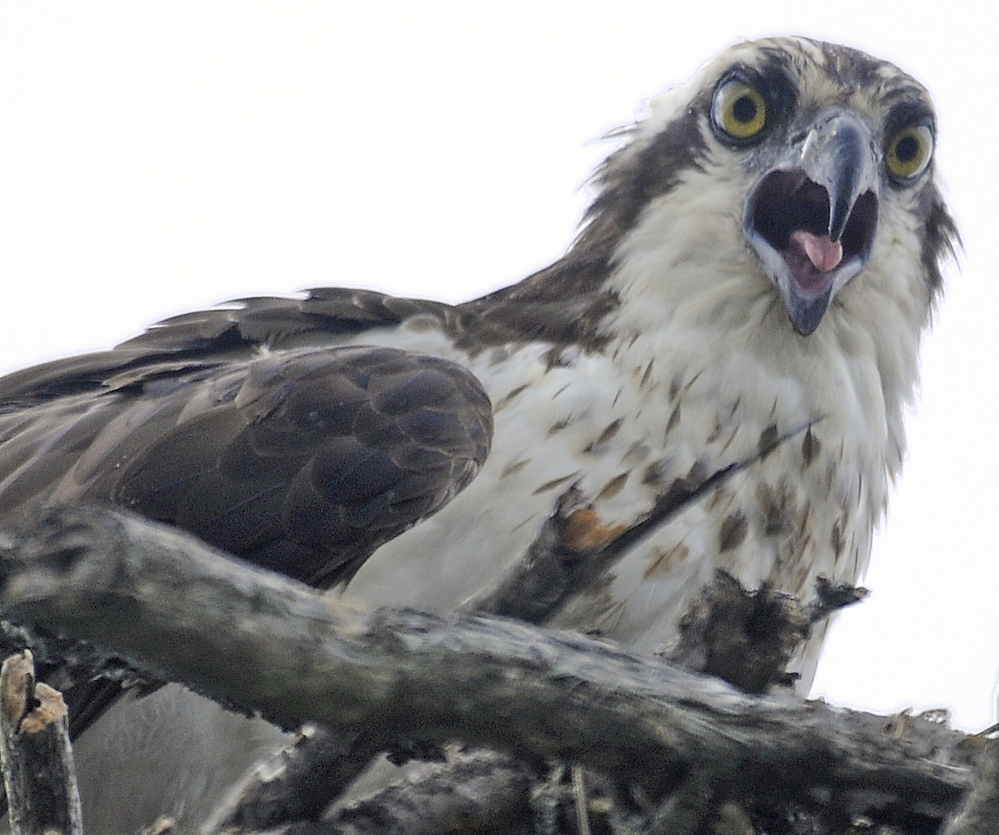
[157,157]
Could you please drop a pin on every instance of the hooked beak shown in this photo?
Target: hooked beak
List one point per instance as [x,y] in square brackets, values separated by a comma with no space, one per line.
[811,219]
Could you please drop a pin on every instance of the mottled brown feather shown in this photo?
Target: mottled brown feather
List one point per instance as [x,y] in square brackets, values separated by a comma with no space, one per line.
[304,461]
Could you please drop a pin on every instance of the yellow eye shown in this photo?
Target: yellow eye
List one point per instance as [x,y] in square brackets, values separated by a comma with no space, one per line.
[908,152]
[739,110]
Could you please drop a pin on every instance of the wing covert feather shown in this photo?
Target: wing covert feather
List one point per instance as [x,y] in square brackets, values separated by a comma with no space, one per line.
[304,461]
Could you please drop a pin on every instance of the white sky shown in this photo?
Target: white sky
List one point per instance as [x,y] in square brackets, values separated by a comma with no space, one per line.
[161,156]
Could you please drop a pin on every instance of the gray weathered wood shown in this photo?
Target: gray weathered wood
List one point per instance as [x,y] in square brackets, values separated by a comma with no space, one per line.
[35,754]
[157,596]
[478,791]
[295,783]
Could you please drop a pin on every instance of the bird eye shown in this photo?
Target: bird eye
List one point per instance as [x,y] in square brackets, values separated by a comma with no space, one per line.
[908,152]
[739,110]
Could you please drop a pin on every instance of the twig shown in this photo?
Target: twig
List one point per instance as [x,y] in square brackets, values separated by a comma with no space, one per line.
[831,597]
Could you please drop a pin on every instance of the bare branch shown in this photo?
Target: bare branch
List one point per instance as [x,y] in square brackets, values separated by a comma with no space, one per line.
[479,791]
[831,597]
[296,783]
[156,595]
[35,753]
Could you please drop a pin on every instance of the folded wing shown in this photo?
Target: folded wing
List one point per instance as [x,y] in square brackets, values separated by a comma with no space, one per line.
[303,461]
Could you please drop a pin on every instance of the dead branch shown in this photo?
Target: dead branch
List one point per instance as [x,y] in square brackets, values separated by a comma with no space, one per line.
[174,607]
[743,637]
[573,548]
[478,791]
[474,792]
[298,782]
[35,753]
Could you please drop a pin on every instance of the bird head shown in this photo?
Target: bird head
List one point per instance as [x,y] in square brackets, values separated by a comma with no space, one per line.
[784,173]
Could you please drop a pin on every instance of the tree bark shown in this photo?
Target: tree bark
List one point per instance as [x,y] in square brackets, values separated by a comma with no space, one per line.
[177,609]
[35,753]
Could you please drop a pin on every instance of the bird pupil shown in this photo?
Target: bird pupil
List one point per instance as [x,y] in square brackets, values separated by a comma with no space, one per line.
[744,109]
[907,148]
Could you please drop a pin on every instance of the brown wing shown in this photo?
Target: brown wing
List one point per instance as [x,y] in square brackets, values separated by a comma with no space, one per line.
[302,461]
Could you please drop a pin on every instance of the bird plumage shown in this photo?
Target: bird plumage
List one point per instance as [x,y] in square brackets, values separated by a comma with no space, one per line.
[749,287]
[667,351]
[304,461]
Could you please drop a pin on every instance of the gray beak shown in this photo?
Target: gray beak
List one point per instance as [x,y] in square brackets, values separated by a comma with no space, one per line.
[811,219]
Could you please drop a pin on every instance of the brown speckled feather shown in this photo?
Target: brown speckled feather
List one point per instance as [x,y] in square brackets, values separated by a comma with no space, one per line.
[304,461]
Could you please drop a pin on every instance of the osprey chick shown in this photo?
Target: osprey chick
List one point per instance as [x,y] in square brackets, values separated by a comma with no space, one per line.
[749,288]
[747,294]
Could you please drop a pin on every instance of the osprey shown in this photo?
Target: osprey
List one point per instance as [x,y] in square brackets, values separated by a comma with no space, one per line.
[746,296]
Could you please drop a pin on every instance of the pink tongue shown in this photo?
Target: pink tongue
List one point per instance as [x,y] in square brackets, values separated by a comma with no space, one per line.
[824,254]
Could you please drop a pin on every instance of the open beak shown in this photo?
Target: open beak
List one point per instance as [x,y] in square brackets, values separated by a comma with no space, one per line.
[811,218]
